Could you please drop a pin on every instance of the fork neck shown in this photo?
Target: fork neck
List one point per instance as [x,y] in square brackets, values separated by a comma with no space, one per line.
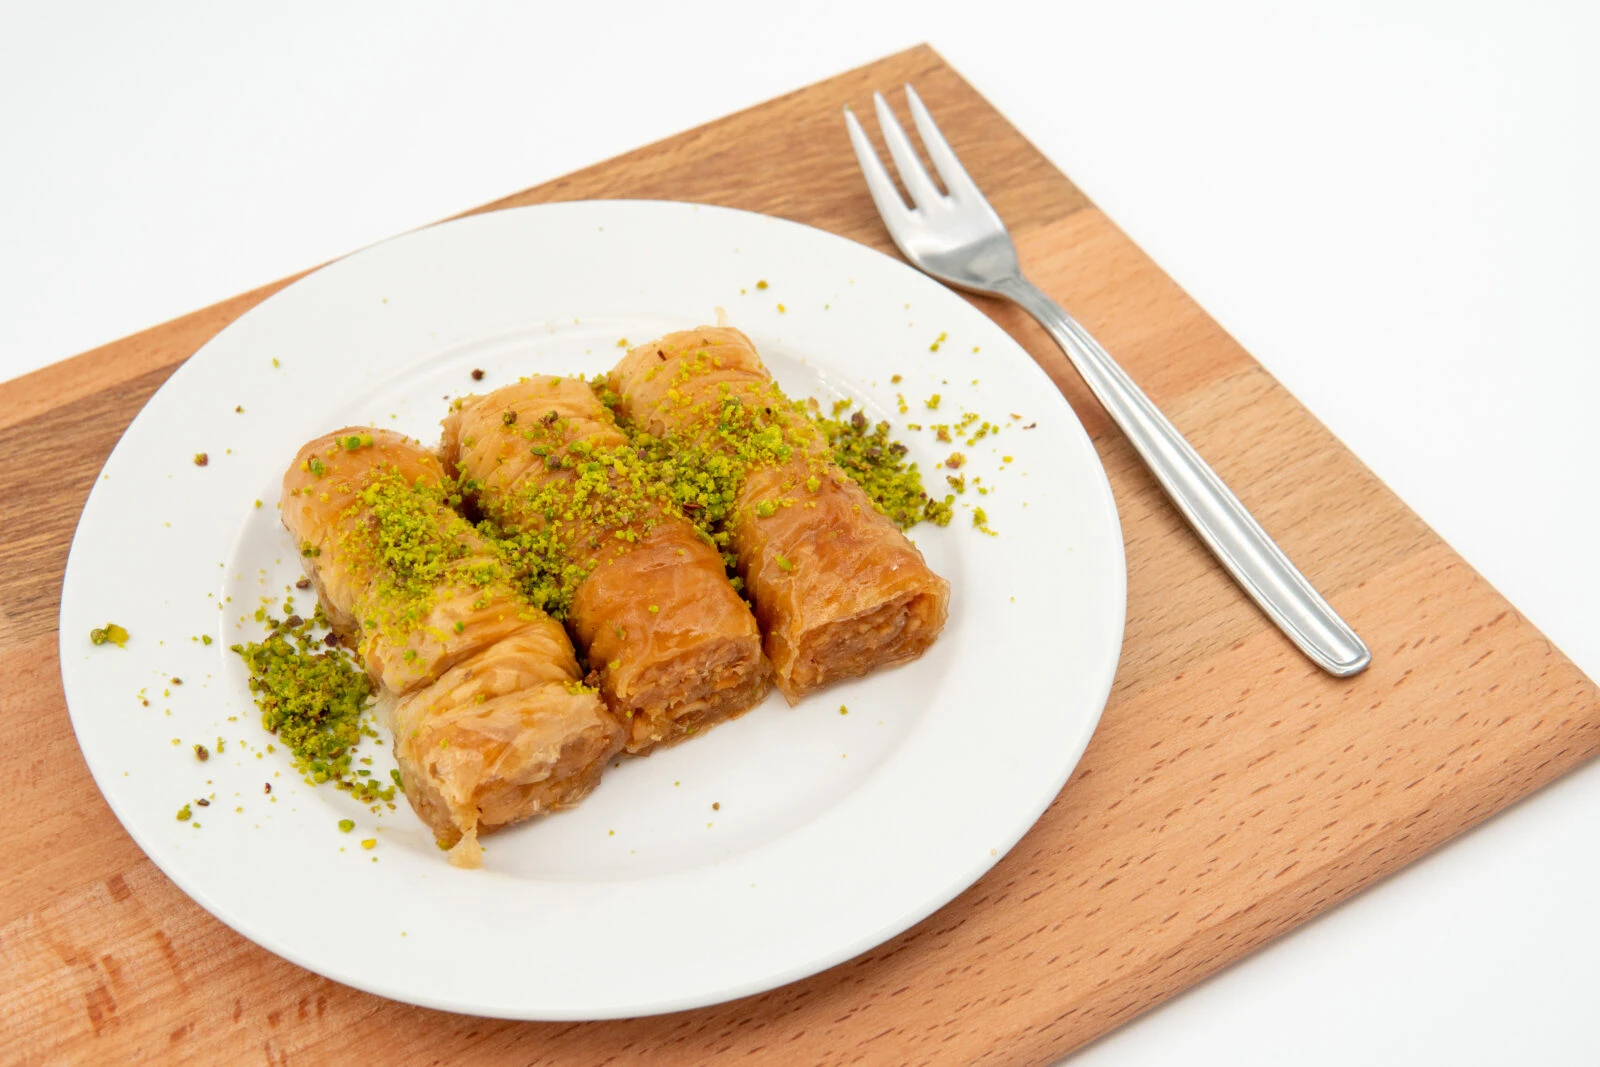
[1035,302]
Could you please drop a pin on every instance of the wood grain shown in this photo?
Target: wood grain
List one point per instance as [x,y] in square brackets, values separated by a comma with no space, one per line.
[1231,792]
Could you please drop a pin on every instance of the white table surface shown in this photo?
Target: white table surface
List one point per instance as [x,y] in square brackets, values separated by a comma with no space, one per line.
[1392,206]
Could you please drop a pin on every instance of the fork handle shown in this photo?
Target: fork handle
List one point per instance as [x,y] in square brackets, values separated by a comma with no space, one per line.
[1232,534]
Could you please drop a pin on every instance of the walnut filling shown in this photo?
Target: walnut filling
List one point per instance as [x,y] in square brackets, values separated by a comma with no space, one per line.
[694,692]
[895,632]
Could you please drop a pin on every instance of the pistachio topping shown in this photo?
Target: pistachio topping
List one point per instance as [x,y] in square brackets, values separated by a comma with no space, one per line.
[315,699]
[110,633]
[878,464]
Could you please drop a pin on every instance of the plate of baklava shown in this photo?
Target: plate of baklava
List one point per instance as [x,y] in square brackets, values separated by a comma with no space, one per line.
[592,610]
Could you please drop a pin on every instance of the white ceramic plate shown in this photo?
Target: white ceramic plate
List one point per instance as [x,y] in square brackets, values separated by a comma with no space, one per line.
[831,832]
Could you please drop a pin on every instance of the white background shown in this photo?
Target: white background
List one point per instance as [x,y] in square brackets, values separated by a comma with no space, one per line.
[1392,206]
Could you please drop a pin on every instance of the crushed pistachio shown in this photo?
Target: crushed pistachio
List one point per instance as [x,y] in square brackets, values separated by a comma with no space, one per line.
[410,543]
[184,813]
[877,463]
[109,633]
[346,825]
[314,698]
[201,459]
[547,533]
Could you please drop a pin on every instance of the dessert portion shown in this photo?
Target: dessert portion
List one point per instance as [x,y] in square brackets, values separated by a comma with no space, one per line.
[491,721]
[838,590]
[670,644]
[687,524]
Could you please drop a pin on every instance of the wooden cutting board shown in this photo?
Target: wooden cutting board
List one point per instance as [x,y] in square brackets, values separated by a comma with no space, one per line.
[1231,793]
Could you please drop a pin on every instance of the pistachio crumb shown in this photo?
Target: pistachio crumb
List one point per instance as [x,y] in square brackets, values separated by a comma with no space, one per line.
[110,633]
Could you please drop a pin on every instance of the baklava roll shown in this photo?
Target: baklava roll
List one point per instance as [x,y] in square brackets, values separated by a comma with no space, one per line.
[838,590]
[670,643]
[490,719]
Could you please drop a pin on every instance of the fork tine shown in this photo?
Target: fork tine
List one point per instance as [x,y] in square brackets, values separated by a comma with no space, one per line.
[945,161]
[923,192]
[879,184]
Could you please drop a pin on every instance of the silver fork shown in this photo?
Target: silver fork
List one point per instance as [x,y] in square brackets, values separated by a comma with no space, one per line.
[960,240]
